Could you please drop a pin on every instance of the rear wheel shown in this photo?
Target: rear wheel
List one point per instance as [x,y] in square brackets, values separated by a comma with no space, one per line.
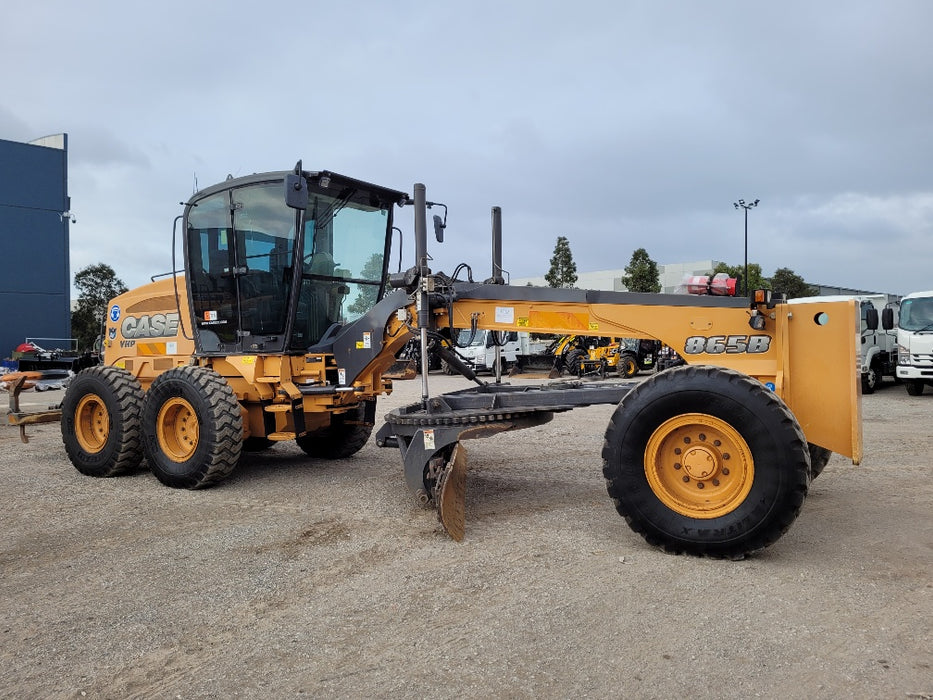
[819,458]
[345,436]
[706,461]
[192,428]
[870,380]
[100,421]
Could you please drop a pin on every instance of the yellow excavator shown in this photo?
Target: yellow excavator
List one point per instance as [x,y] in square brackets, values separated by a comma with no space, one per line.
[286,321]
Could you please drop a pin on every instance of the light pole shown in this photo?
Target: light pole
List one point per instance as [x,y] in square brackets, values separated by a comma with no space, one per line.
[742,205]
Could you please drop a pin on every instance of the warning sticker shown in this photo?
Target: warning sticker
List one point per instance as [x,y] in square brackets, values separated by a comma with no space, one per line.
[429,439]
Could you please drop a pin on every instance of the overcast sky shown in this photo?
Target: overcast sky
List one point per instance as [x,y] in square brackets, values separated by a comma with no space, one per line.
[616,124]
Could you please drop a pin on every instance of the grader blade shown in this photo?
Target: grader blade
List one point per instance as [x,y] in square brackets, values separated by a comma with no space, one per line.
[450,494]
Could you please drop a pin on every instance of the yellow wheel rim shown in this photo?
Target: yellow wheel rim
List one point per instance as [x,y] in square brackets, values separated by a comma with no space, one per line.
[699,466]
[92,423]
[177,429]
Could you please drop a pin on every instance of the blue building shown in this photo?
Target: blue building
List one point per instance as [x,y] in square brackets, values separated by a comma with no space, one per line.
[35,213]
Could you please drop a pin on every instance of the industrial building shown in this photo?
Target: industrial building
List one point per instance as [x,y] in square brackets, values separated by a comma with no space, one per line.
[35,213]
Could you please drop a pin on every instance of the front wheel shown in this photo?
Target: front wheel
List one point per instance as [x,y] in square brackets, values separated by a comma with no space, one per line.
[192,427]
[706,461]
[914,388]
[345,436]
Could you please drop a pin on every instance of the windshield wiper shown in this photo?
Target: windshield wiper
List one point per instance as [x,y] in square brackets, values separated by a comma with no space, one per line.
[339,203]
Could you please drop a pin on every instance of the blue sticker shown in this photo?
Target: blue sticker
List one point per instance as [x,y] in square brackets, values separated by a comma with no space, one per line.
[770,385]
[114,313]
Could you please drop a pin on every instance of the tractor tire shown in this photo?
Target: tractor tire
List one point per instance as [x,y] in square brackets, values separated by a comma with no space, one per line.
[572,361]
[819,457]
[628,366]
[344,437]
[192,428]
[914,388]
[706,461]
[100,421]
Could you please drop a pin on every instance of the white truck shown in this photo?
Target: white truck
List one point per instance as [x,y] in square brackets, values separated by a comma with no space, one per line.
[914,341]
[878,347]
[479,353]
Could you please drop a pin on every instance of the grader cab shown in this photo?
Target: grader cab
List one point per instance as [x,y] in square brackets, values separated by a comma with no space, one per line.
[283,328]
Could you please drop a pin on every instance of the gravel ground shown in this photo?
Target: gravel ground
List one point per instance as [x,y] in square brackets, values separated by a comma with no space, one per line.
[326,579]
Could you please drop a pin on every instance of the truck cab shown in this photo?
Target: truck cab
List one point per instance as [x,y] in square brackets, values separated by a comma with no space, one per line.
[877,345]
[479,353]
[914,341]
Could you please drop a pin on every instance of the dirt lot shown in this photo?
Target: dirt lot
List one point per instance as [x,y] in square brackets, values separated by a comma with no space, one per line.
[326,579]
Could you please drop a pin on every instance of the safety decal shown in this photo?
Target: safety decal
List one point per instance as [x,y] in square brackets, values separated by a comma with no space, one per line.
[115,313]
[505,314]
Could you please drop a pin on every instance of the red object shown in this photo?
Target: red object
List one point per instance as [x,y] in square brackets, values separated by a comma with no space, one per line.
[720,285]
[698,284]
[26,347]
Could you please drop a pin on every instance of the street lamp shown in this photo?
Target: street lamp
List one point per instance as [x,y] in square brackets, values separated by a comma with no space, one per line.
[742,205]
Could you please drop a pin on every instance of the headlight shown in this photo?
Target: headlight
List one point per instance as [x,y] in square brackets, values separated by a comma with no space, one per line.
[903,355]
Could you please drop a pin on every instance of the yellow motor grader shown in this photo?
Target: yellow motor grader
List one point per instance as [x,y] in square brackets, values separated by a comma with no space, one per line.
[287,320]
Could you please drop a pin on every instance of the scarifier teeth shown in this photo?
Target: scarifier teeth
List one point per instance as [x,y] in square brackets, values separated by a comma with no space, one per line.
[451,494]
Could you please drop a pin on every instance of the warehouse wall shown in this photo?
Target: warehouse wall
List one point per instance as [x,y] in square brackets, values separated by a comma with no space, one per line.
[35,285]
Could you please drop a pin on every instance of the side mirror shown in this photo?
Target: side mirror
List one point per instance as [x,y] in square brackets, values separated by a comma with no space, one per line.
[439,227]
[887,318]
[296,191]
[871,319]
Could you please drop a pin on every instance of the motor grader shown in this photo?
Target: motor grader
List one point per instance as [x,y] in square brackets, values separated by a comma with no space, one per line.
[286,321]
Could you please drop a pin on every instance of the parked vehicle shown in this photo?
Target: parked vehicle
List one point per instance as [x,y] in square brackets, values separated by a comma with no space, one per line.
[668,358]
[914,340]
[479,351]
[877,346]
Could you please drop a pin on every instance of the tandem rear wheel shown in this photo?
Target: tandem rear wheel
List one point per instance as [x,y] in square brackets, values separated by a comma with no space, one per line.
[706,461]
[101,422]
[192,427]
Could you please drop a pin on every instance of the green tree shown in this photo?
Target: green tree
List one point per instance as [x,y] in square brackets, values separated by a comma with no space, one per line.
[755,280]
[791,284]
[563,271]
[96,285]
[641,274]
[366,299]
